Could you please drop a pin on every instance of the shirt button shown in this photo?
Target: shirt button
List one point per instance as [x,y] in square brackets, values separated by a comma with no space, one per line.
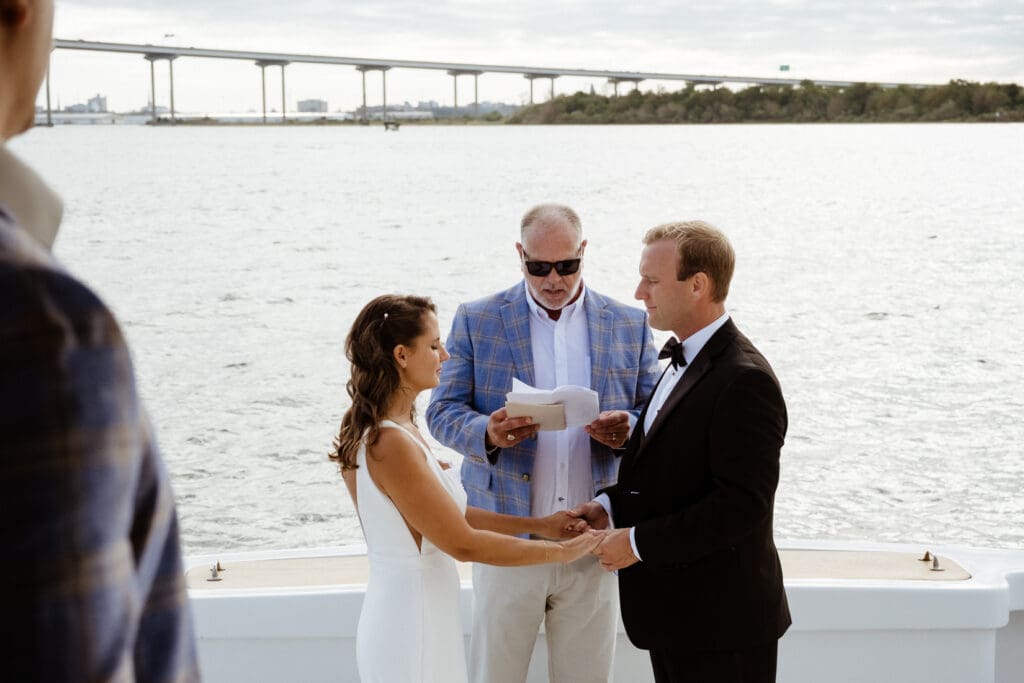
[561,499]
[526,477]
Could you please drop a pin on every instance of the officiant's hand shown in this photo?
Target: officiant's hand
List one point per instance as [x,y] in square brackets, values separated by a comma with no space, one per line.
[615,551]
[610,428]
[589,515]
[504,431]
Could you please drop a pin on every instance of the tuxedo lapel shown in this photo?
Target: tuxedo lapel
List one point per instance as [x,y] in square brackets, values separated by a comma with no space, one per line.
[695,371]
[701,364]
[515,316]
[637,436]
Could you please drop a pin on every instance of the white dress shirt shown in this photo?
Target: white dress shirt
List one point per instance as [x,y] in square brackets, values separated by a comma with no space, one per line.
[692,345]
[562,476]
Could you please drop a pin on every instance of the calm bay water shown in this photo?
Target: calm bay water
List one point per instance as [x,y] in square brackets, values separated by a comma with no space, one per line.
[880,270]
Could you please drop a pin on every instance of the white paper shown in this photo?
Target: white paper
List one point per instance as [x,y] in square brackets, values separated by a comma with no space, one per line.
[581,404]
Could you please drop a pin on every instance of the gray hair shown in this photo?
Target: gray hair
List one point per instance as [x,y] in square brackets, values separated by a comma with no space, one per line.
[546,212]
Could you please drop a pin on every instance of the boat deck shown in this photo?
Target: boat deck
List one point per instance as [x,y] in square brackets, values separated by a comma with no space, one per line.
[352,570]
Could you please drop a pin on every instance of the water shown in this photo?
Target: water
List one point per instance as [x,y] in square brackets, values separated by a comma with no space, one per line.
[879,270]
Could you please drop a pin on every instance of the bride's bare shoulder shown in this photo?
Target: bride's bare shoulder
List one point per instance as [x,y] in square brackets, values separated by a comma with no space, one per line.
[393,447]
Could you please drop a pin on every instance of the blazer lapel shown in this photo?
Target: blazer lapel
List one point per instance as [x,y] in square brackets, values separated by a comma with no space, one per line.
[515,316]
[599,328]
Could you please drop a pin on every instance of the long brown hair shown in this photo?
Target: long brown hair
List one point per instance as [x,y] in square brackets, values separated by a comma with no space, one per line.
[383,324]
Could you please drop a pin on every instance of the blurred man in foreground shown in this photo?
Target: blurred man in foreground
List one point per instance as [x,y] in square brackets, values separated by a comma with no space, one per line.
[91,583]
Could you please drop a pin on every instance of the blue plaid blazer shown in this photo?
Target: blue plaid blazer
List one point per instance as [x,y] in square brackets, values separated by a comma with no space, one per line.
[489,345]
[91,580]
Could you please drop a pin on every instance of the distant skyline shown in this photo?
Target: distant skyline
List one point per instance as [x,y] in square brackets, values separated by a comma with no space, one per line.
[914,41]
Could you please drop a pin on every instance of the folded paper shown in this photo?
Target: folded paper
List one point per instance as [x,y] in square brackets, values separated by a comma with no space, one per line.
[553,409]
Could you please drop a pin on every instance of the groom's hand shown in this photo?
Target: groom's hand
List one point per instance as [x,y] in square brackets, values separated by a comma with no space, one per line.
[589,515]
[615,552]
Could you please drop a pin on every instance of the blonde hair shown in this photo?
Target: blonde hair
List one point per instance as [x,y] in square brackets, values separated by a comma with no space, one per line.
[702,248]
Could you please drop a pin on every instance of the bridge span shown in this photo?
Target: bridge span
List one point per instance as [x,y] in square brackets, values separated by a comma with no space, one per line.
[155,53]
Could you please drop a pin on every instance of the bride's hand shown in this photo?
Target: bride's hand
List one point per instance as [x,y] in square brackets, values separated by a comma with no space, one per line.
[581,545]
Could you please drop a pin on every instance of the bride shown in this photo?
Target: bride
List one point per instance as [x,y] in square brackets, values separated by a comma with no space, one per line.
[414,516]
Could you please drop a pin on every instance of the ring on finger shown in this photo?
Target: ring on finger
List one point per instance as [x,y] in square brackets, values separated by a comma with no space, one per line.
[511,436]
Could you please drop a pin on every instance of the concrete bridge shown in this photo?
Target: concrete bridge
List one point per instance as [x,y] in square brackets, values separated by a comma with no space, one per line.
[155,53]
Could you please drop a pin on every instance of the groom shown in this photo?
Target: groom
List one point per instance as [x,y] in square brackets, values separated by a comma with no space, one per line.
[700,582]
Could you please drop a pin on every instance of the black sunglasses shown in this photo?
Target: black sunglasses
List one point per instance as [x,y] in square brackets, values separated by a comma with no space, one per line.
[542,268]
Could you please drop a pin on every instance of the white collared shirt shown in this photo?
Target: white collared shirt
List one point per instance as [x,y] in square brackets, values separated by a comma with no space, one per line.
[562,476]
[27,202]
[692,345]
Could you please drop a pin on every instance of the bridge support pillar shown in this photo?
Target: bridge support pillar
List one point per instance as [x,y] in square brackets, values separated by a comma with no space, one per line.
[533,77]
[263,90]
[455,73]
[263,64]
[362,112]
[152,59]
[383,86]
[49,110]
[616,80]
[170,70]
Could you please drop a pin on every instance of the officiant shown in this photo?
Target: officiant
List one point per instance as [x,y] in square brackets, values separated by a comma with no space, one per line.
[548,330]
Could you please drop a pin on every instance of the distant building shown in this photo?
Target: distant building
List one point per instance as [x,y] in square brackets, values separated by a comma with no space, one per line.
[76,108]
[313,105]
[97,104]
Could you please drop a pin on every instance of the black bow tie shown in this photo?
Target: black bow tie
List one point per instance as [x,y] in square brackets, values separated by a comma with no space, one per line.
[674,351]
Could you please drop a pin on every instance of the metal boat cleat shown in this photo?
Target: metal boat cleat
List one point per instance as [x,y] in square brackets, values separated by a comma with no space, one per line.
[214,574]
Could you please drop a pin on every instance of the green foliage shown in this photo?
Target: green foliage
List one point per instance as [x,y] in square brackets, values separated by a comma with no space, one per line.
[862,102]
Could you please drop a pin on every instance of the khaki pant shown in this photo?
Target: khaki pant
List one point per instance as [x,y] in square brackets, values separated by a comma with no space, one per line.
[578,604]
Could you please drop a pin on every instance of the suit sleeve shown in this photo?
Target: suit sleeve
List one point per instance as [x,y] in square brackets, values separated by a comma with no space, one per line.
[746,435]
[452,416]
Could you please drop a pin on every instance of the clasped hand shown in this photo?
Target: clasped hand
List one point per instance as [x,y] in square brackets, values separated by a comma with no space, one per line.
[614,551]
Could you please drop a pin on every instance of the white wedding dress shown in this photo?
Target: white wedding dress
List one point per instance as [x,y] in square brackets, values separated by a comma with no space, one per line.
[410,629]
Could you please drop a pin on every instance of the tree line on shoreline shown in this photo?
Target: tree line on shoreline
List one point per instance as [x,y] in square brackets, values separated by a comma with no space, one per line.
[807,103]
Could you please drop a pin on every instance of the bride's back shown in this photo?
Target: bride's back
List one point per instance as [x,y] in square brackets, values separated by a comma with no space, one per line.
[385,530]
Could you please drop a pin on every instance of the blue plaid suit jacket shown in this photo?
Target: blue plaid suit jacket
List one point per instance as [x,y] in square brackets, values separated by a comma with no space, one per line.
[489,345]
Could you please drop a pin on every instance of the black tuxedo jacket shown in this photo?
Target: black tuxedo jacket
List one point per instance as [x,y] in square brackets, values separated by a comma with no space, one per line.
[700,490]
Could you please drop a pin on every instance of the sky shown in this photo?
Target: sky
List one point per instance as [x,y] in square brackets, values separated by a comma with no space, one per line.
[915,41]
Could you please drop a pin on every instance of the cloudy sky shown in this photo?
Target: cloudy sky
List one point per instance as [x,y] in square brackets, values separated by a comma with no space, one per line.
[917,41]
